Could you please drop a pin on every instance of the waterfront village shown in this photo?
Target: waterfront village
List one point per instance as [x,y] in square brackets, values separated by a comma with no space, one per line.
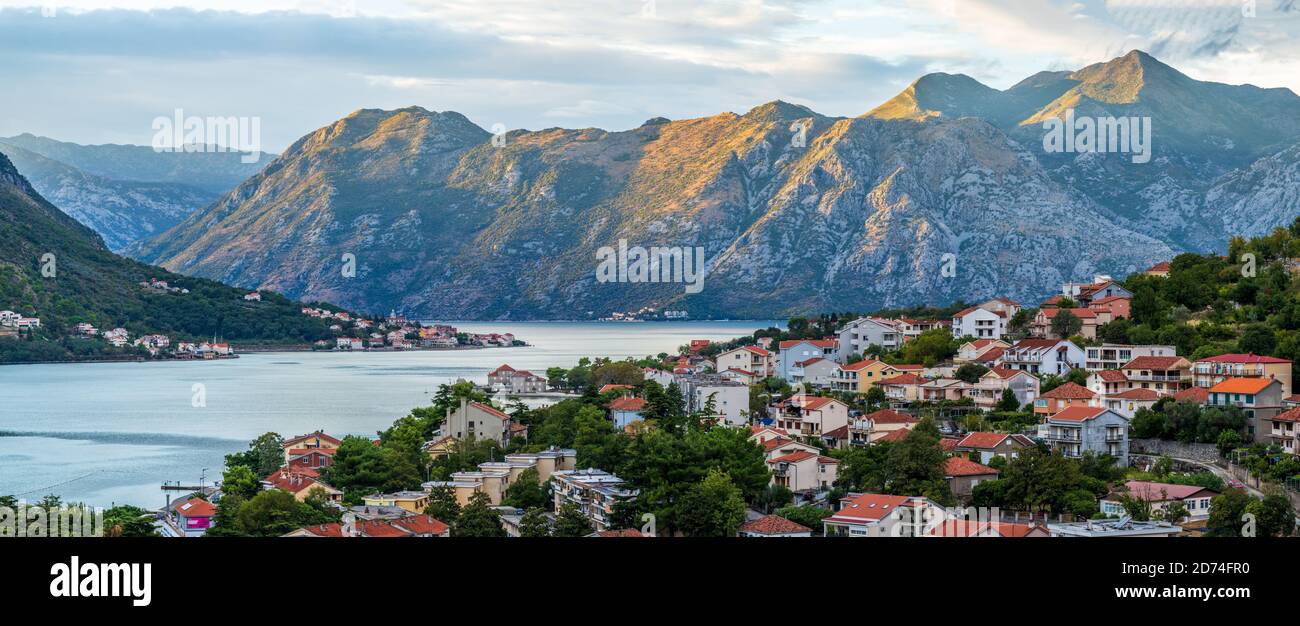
[353,333]
[995,420]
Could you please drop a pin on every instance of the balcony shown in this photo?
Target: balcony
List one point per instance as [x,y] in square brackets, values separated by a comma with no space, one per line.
[1114,437]
[1160,378]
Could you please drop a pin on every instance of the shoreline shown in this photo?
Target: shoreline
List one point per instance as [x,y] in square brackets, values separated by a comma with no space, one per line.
[294,349]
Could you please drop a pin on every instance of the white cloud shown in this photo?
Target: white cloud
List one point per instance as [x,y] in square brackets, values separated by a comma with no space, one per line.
[99,69]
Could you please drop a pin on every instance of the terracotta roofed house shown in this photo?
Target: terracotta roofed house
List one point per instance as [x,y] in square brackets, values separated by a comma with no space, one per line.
[773,526]
[1064,396]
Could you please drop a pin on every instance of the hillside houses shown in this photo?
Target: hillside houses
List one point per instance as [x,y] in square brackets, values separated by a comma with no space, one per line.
[508,380]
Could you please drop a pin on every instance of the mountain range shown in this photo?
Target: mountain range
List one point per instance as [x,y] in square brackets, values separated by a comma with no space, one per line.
[125,193]
[943,193]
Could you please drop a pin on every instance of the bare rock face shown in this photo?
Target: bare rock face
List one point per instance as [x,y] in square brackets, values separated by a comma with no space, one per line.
[943,193]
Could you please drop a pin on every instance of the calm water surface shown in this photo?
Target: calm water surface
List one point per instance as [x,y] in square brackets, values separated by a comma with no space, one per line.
[113,432]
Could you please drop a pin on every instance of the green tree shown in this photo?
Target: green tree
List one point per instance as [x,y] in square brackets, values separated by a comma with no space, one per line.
[129,521]
[915,465]
[526,492]
[970,372]
[1274,516]
[713,508]
[1008,403]
[570,522]
[807,515]
[264,455]
[534,523]
[443,505]
[271,513]
[240,481]
[1226,512]
[1258,339]
[1066,324]
[478,519]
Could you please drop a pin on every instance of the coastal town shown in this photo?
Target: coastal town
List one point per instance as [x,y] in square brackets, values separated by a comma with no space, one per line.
[992,420]
[350,332]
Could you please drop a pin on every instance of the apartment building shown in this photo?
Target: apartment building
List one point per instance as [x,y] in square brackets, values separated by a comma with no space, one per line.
[730,398]
[494,477]
[799,351]
[760,362]
[979,323]
[1216,369]
[1284,431]
[595,492]
[1043,356]
[879,515]
[508,380]
[1112,356]
[809,416]
[1080,429]
[1259,398]
[862,333]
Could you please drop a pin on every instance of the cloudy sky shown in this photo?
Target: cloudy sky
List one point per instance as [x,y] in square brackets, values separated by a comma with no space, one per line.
[100,71]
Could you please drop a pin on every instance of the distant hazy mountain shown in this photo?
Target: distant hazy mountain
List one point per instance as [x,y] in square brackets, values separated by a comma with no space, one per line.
[216,172]
[120,211]
[797,212]
[91,284]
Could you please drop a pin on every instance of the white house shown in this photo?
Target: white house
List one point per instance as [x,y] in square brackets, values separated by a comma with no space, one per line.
[799,351]
[862,333]
[1043,356]
[730,399]
[979,323]
[758,361]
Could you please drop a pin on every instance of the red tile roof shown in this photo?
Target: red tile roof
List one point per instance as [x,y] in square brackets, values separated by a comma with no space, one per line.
[1160,492]
[422,525]
[895,435]
[622,532]
[1198,394]
[773,525]
[324,437]
[803,455]
[196,507]
[1154,363]
[904,379]
[890,416]
[1111,376]
[1137,394]
[611,387]
[869,507]
[859,365]
[627,404]
[1288,416]
[818,343]
[961,466]
[1078,413]
[490,410]
[1079,313]
[1242,385]
[992,354]
[980,439]
[1069,391]
[292,481]
[1242,358]
[972,528]
[947,443]
[1162,266]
